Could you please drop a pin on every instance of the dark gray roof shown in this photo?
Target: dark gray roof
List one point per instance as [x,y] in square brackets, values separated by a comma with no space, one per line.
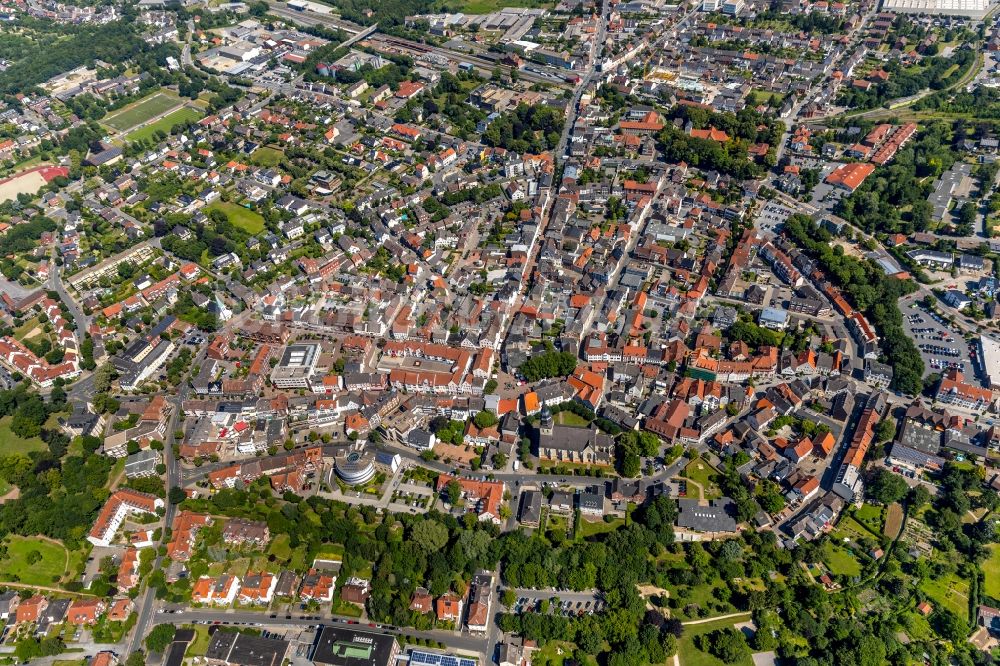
[343,647]
[531,507]
[711,516]
[246,650]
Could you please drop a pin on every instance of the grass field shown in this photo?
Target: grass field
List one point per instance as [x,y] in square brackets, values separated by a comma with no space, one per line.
[765,96]
[568,418]
[244,218]
[851,529]
[22,331]
[489,6]
[840,561]
[589,528]
[164,124]
[11,443]
[950,592]
[199,646]
[893,520]
[991,569]
[47,571]
[141,111]
[870,516]
[555,653]
[701,472]
[266,157]
[692,656]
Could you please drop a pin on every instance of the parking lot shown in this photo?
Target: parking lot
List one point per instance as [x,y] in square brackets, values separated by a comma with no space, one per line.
[580,603]
[941,347]
[771,216]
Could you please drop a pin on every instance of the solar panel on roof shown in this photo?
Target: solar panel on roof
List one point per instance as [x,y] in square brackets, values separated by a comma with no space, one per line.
[437,659]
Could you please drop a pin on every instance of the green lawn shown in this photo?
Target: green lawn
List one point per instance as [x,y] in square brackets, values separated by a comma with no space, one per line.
[199,646]
[164,124]
[554,653]
[765,96]
[697,597]
[49,570]
[991,569]
[950,592]
[490,6]
[568,418]
[850,528]
[692,656]
[589,528]
[840,561]
[920,628]
[142,111]
[701,472]
[244,218]
[341,607]
[266,157]
[21,332]
[870,516]
[11,443]
[280,547]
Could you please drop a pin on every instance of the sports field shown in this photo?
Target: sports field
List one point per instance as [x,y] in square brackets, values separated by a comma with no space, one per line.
[29,182]
[141,111]
[165,124]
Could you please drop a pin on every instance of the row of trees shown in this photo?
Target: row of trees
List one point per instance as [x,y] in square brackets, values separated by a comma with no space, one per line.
[872,292]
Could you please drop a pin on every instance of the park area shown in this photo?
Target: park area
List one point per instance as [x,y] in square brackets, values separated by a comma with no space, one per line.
[11,444]
[164,124]
[244,218]
[35,561]
[142,111]
[689,655]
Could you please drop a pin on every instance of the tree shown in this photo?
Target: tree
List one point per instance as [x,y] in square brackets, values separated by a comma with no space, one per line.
[885,430]
[430,535]
[176,495]
[160,638]
[631,465]
[485,419]
[886,487]
[728,645]
[949,626]
[919,496]
[453,491]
